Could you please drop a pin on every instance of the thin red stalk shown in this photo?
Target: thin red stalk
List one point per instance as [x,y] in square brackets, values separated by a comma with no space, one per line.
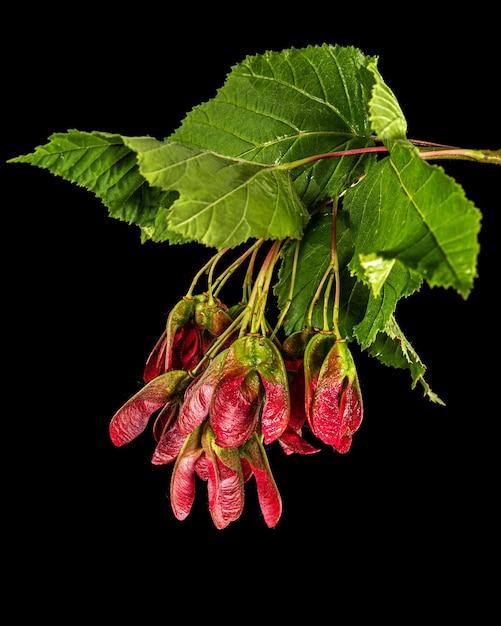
[341,153]
[440,153]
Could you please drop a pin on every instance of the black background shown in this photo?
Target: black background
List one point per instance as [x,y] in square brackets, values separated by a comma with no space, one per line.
[411,510]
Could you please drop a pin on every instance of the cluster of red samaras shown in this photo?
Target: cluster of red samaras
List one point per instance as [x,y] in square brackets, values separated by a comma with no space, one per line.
[215,414]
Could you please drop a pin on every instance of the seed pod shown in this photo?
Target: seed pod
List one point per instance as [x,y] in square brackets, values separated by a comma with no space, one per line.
[337,408]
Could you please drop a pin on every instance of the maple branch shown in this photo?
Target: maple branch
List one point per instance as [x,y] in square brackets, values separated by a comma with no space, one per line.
[446,152]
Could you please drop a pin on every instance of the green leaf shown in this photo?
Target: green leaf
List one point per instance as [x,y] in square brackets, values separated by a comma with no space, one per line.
[101,163]
[411,213]
[280,107]
[385,114]
[381,306]
[222,201]
[393,349]
[377,270]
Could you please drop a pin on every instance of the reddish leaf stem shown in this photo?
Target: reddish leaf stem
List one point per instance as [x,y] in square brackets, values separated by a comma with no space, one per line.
[442,152]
